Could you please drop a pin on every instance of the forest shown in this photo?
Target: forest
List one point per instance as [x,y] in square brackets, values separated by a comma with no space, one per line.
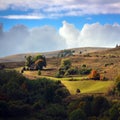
[45,99]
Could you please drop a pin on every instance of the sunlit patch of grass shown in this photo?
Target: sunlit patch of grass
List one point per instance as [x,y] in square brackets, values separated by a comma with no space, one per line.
[73,83]
[88,86]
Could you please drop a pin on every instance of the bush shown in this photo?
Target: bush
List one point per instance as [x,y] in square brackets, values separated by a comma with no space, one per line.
[56,112]
[58,75]
[65,64]
[84,65]
[39,72]
[38,105]
[114,112]
[77,114]
[117,84]
[62,92]
[99,105]
[111,91]
[78,91]
[71,71]
[84,71]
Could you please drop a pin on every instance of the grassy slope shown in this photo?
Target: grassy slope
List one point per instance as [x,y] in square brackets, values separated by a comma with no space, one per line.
[88,86]
[85,86]
[96,61]
[21,57]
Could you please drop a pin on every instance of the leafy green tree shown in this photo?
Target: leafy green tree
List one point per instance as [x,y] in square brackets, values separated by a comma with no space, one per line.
[39,64]
[41,57]
[65,53]
[29,61]
[66,64]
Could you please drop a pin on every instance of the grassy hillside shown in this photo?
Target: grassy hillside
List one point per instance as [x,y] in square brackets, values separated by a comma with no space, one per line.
[21,57]
[88,86]
[106,62]
[85,86]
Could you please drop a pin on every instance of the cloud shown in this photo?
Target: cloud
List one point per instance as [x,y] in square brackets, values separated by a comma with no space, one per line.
[93,35]
[45,38]
[69,33]
[59,8]
[20,39]
[23,17]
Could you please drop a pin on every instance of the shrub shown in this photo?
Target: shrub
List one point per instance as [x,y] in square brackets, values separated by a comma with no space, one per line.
[71,71]
[114,112]
[111,91]
[99,105]
[58,75]
[84,71]
[56,112]
[77,114]
[77,90]
[66,64]
[106,65]
[117,84]
[84,65]
[62,71]
[38,105]
[62,92]
[39,72]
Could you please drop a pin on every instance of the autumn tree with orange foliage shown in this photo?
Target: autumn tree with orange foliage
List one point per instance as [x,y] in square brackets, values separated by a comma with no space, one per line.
[94,75]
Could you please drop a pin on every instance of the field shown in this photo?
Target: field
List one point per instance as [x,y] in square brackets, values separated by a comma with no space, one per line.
[106,62]
[74,83]
[86,86]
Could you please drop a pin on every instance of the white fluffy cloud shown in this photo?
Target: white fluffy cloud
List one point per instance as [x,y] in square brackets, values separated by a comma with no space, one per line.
[58,8]
[20,39]
[93,35]
[70,34]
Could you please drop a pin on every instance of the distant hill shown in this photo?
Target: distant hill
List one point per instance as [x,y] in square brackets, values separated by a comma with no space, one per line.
[77,51]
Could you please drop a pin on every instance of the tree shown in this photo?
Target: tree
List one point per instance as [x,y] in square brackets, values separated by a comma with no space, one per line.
[99,105]
[117,84]
[77,91]
[94,75]
[66,64]
[39,72]
[77,114]
[39,64]
[114,112]
[29,61]
[42,58]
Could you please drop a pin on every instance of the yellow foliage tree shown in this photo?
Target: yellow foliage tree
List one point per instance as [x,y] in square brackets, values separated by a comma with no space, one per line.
[94,75]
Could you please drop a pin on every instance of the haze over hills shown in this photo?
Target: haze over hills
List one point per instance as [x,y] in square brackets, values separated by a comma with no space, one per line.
[77,51]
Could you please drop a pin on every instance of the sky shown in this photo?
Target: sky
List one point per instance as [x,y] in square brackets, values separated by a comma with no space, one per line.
[48,25]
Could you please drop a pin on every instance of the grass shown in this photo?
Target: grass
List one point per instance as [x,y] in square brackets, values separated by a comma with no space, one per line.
[85,86]
[88,86]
